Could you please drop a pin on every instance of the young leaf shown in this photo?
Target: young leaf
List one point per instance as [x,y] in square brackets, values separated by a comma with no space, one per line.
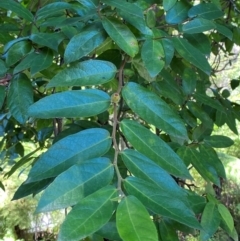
[17,8]
[83,43]
[191,54]
[226,217]
[178,13]
[152,53]
[18,102]
[210,221]
[205,10]
[198,25]
[81,146]
[144,168]
[152,146]
[76,183]
[161,202]
[154,110]
[133,221]
[122,35]
[90,72]
[89,215]
[218,141]
[80,103]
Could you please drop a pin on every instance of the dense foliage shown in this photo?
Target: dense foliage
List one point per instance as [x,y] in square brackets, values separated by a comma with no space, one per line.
[119,98]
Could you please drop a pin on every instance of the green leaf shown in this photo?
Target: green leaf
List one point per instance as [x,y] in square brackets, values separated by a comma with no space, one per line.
[52,8]
[144,168]
[154,110]
[191,54]
[18,102]
[3,68]
[154,148]
[36,61]
[2,95]
[84,43]
[131,13]
[76,183]
[17,8]
[151,18]
[2,186]
[31,188]
[90,72]
[178,13]
[210,156]
[74,103]
[224,31]
[218,141]
[133,221]
[210,221]
[160,202]
[226,216]
[205,10]
[122,35]
[196,202]
[78,147]
[152,53]
[167,232]
[189,80]
[51,40]
[198,25]
[168,50]
[17,52]
[199,162]
[168,4]
[89,215]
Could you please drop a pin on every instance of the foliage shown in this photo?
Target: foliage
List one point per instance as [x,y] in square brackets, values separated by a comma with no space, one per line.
[118,96]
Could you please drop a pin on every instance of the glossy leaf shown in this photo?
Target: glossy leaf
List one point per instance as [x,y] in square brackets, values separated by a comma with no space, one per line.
[226,216]
[90,72]
[75,103]
[133,221]
[198,25]
[122,35]
[160,202]
[210,221]
[132,13]
[17,8]
[152,53]
[168,4]
[154,110]
[153,147]
[178,13]
[69,151]
[36,61]
[51,40]
[207,171]
[18,102]
[191,54]
[144,168]
[89,215]
[218,141]
[17,52]
[83,43]
[76,183]
[205,10]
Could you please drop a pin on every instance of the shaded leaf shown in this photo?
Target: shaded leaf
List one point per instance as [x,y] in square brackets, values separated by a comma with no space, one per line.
[224,31]
[152,146]
[90,72]
[89,215]
[75,103]
[167,232]
[189,80]
[3,68]
[218,141]
[154,110]
[191,54]
[76,183]
[160,202]
[2,95]
[122,35]
[83,43]
[18,102]
[68,151]
[133,221]
[168,50]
